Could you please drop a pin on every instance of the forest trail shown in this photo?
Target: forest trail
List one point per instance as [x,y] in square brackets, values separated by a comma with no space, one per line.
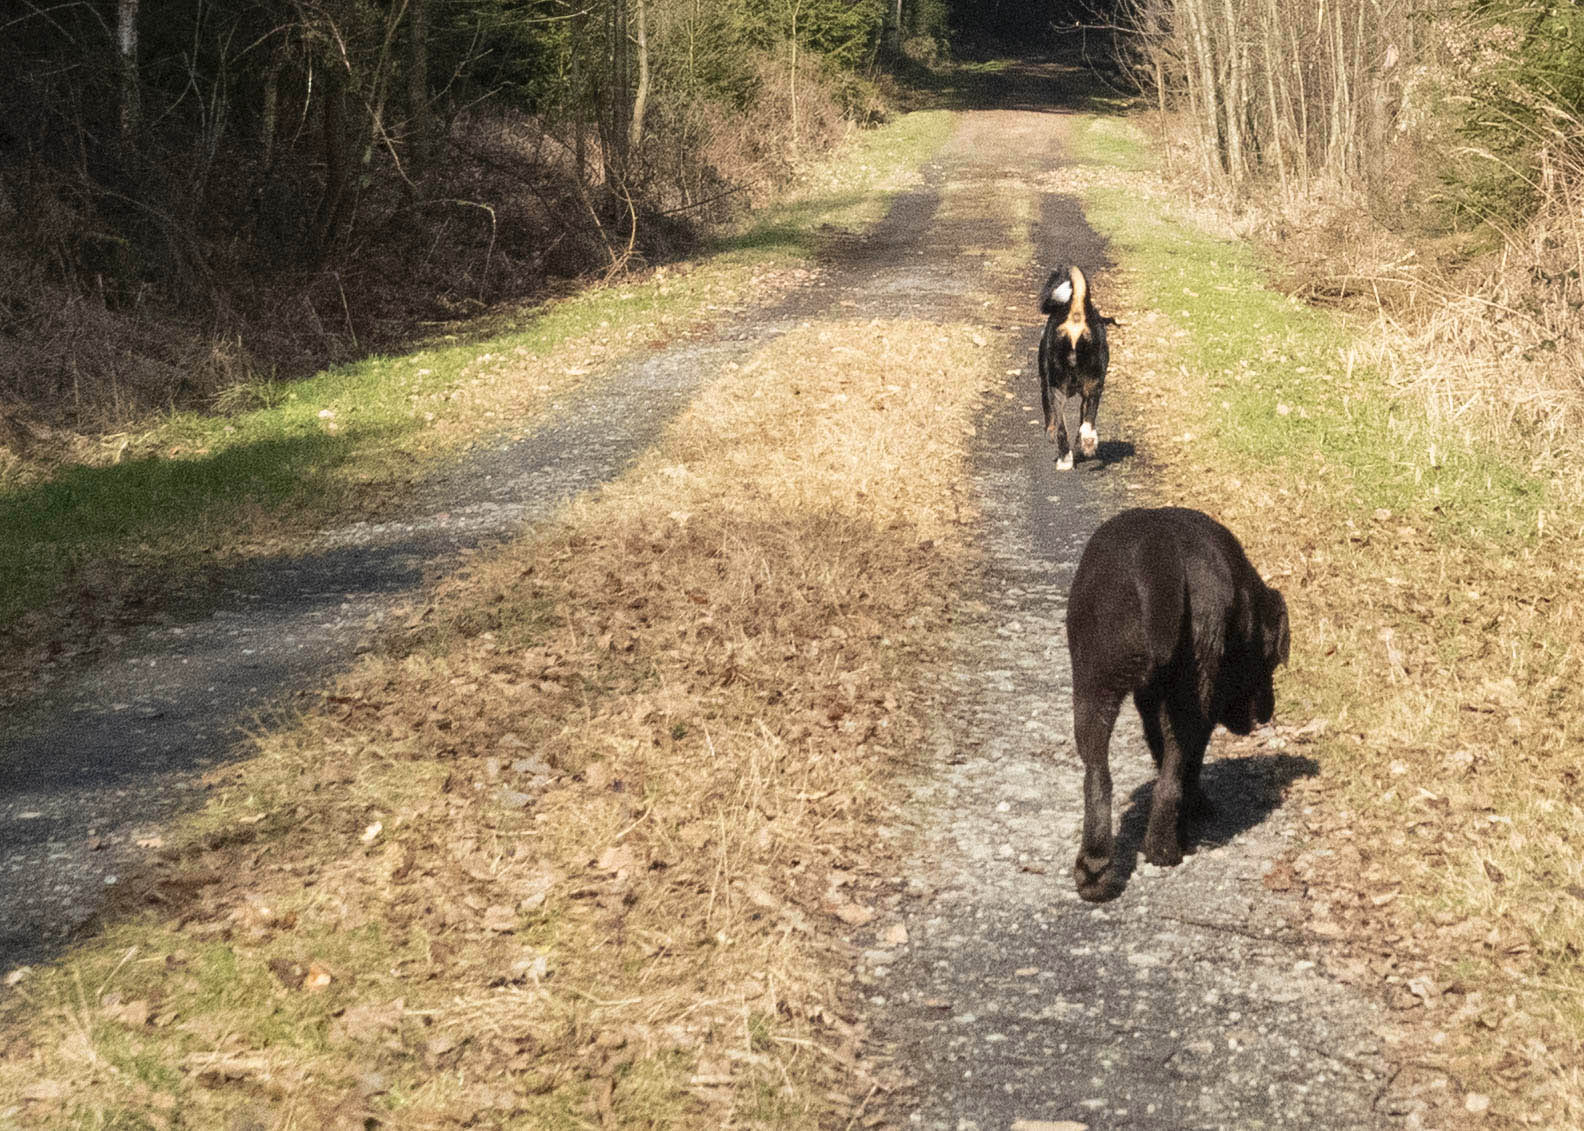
[1187,1002]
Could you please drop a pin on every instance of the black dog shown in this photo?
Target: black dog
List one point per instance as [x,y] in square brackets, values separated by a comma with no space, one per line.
[1073,358]
[1165,605]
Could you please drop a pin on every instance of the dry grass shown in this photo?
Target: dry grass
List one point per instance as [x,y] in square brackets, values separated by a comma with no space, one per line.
[582,847]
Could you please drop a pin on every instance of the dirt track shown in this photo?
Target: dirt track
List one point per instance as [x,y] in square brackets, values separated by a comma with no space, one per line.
[1187,1002]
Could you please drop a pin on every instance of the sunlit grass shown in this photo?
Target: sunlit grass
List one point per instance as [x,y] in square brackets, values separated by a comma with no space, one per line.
[277,459]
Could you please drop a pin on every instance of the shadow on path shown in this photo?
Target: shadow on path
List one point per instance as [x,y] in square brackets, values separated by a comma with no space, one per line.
[1245,791]
[109,754]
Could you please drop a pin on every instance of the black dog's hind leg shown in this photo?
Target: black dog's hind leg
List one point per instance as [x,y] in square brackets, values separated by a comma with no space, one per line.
[1196,805]
[1183,736]
[1048,403]
[1094,716]
[1064,454]
[1149,702]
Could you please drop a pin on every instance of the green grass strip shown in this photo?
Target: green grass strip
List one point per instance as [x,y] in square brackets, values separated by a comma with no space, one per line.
[1284,387]
[194,485]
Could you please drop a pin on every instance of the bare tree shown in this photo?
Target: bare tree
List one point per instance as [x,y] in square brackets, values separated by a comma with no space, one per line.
[1289,90]
[420,144]
[127,60]
[641,94]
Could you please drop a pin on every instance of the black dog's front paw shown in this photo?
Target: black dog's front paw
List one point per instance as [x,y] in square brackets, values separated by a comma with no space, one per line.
[1093,877]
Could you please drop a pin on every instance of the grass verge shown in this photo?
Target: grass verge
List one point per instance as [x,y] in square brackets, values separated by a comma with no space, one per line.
[97,534]
[1437,638]
[575,850]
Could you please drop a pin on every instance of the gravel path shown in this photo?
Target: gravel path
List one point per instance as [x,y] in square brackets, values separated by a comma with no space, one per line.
[90,771]
[1187,1002]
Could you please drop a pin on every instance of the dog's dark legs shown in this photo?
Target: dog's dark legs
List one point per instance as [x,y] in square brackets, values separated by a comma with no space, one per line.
[1094,716]
[1088,437]
[1195,804]
[1149,701]
[1183,738]
[1048,402]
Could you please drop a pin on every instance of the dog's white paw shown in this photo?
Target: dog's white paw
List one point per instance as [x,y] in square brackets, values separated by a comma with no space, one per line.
[1088,439]
[1065,463]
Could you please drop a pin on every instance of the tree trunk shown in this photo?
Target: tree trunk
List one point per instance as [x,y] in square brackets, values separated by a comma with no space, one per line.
[333,205]
[579,96]
[269,111]
[420,146]
[1236,112]
[620,101]
[127,66]
[641,96]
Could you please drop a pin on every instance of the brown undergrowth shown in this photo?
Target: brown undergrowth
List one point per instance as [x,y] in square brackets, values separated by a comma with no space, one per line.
[578,848]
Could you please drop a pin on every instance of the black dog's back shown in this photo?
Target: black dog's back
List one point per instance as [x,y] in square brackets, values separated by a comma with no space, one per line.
[1165,606]
[1150,582]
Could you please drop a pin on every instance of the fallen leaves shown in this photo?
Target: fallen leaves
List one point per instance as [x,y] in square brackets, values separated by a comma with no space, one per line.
[853,914]
[580,815]
[1280,876]
[368,1022]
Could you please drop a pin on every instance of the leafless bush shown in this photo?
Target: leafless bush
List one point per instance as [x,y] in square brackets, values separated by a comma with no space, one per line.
[1505,337]
[1283,89]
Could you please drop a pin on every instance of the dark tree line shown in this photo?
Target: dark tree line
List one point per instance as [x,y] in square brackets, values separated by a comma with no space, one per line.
[264,170]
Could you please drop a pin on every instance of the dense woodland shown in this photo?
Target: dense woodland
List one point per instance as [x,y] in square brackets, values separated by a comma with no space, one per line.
[1422,159]
[195,193]
[192,189]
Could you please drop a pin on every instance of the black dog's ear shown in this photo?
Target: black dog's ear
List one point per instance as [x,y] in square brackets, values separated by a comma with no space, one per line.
[1274,627]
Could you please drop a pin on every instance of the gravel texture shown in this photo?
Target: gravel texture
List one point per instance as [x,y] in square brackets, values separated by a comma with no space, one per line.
[90,770]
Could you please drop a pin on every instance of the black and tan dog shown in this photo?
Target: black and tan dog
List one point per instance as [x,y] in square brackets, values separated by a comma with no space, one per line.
[1073,358]
[1166,607]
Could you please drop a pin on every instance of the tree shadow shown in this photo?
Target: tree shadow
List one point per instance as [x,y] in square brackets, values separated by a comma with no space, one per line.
[1245,791]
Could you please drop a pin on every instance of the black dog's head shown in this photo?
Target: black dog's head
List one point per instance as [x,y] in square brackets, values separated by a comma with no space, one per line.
[1066,300]
[1251,698]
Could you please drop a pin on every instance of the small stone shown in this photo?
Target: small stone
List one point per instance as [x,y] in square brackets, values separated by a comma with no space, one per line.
[1476,1103]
